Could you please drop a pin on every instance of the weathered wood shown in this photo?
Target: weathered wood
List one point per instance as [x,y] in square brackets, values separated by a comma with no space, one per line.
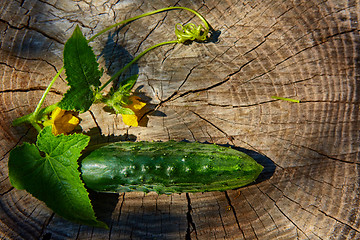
[216,92]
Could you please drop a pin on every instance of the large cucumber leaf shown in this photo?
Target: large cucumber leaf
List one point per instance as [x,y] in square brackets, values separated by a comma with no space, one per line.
[49,171]
[82,73]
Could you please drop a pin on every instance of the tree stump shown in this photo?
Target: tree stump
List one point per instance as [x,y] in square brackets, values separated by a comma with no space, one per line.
[218,92]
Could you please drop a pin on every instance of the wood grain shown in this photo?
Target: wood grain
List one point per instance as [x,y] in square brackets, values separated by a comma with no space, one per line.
[216,92]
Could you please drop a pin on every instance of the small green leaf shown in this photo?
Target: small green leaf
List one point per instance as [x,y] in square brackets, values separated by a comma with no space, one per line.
[128,83]
[24,119]
[82,71]
[286,99]
[32,118]
[49,171]
[118,99]
[122,110]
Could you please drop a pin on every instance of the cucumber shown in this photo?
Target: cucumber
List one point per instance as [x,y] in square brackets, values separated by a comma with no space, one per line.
[167,167]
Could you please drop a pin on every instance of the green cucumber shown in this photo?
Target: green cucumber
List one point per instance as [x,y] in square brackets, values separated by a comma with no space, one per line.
[167,167]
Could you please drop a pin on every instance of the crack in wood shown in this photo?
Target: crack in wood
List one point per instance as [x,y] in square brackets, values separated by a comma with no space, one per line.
[175,92]
[173,97]
[272,219]
[7,191]
[13,109]
[313,179]
[159,23]
[212,124]
[316,235]
[221,219]
[286,11]
[316,151]
[234,213]
[190,223]
[229,137]
[187,76]
[18,70]
[292,200]
[283,213]
[187,127]
[339,221]
[18,200]
[305,79]
[78,232]
[297,53]
[33,210]
[95,121]
[221,54]
[322,182]
[49,3]
[242,106]
[44,226]
[324,155]
[166,54]
[254,210]
[33,59]
[119,215]
[17,143]
[30,89]
[258,45]
[33,29]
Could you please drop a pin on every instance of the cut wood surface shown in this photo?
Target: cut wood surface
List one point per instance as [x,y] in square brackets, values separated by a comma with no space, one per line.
[218,92]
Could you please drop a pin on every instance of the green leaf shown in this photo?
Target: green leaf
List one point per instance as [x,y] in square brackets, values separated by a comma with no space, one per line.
[28,118]
[82,72]
[49,171]
[122,110]
[286,99]
[128,83]
[32,118]
[118,100]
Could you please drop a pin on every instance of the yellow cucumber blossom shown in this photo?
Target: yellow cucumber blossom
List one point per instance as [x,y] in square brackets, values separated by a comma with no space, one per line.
[135,106]
[62,121]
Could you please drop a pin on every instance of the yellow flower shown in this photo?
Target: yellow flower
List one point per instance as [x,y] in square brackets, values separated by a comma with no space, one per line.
[61,121]
[135,106]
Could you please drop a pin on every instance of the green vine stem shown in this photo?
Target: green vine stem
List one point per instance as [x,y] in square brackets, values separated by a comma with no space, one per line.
[286,99]
[38,107]
[148,14]
[187,32]
[117,74]
[33,117]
